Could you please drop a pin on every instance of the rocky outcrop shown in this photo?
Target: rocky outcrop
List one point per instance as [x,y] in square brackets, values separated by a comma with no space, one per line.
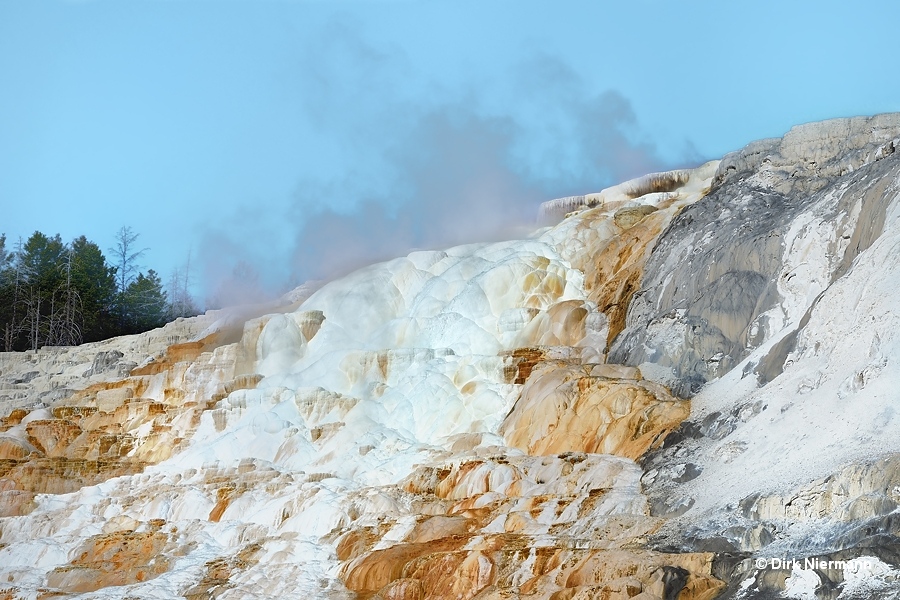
[41,378]
[498,527]
[585,408]
[612,242]
[787,435]
[117,428]
[784,219]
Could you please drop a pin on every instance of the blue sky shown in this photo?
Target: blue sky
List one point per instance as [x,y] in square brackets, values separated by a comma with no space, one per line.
[300,138]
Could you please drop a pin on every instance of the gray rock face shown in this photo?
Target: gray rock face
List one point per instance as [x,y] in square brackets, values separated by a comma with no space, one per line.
[720,269]
[103,362]
[781,285]
[810,155]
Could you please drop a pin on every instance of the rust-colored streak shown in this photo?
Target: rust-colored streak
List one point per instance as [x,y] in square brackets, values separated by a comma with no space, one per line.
[614,273]
[13,418]
[523,362]
[224,496]
[177,353]
[373,571]
[402,589]
[52,437]
[120,558]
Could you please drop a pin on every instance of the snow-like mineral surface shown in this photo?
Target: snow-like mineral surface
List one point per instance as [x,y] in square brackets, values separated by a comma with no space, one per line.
[690,373]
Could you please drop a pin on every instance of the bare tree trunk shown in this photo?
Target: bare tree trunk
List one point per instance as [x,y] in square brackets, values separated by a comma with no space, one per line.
[69,333]
[33,312]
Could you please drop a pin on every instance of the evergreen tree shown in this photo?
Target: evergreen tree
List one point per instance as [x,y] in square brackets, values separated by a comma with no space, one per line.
[5,256]
[44,286]
[39,264]
[62,294]
[95,282]
[145,302]
[40,259]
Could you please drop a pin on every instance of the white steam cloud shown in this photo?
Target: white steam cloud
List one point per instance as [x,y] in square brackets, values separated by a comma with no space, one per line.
[427,166]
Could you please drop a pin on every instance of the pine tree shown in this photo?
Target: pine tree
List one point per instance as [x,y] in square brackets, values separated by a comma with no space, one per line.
[95,281]
[146,302]
[62,294]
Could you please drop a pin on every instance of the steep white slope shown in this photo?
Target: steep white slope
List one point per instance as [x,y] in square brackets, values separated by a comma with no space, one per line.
[790,451]
[835,402]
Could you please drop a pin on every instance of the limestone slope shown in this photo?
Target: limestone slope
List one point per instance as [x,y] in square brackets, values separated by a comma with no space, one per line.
[391,436]
[688,373]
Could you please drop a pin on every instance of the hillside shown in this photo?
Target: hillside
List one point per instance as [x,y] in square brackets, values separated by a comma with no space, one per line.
[689,376]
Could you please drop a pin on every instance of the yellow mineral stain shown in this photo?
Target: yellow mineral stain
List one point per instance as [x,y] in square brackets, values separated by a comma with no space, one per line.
[562,410]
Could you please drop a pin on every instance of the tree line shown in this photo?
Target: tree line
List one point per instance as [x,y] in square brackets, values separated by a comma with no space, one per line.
[60,294]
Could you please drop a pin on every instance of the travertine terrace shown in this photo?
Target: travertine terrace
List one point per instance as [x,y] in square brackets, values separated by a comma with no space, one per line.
[684,376]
